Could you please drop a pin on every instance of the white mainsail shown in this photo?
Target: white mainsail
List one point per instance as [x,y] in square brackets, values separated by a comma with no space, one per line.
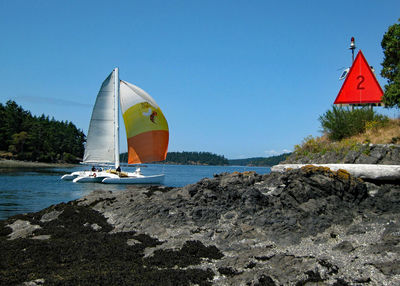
[101,139]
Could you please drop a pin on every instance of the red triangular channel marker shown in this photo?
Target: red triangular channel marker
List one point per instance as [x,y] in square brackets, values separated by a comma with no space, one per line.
[360,85]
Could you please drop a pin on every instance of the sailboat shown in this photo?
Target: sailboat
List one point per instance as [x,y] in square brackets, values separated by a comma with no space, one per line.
[146,129]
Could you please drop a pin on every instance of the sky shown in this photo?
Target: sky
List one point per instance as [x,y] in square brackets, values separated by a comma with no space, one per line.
[235,78]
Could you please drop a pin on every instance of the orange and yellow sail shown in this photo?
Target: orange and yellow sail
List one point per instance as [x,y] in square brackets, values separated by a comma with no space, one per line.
[145,124]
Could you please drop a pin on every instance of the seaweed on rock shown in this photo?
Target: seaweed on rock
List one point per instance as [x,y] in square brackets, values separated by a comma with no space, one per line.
[81,250]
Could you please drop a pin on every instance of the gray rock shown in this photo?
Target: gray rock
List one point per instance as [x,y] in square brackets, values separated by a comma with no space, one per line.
[22,229]
[36,282]
[364,171]
[392,156]
[383,154]
[350,157]
[94,226]
[366,159]
[50,216]
[42,237]
[307,226]
[296,212]
[344,246]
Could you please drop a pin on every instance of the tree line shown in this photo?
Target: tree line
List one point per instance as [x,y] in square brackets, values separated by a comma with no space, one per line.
[189,158]
[38,138]
[197,158]
[260,161]
[207,158]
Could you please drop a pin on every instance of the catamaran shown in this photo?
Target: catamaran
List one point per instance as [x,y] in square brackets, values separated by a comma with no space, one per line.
[146,129]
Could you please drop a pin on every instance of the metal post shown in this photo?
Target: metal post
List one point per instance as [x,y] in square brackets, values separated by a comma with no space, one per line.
[352,48]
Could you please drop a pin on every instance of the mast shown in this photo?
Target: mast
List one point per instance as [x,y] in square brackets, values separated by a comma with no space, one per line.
[116,117]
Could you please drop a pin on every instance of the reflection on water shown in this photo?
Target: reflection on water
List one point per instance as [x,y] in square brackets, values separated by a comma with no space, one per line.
[30,190]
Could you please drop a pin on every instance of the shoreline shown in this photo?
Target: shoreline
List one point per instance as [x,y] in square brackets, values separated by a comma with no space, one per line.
[6,163]
[316,224]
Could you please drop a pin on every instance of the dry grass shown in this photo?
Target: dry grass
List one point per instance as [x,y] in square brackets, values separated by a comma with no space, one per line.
[389,133]
[376,133]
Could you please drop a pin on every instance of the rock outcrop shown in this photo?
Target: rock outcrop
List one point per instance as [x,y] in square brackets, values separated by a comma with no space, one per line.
[383,154]
[309,226]
[368,172]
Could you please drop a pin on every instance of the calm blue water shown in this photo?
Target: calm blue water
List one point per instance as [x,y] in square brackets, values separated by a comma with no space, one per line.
[30,190]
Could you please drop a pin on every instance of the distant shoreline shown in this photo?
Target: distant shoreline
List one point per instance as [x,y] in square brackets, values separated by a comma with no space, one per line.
[27,164]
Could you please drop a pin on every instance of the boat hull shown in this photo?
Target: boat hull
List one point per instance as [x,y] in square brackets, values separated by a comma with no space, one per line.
[88,179]
[93,177]
[73,175]
[155,179]
[68,177]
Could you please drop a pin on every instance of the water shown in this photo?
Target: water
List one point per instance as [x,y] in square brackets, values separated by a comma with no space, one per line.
[31,190]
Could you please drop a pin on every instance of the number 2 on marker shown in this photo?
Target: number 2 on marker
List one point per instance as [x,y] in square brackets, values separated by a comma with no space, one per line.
[361,79]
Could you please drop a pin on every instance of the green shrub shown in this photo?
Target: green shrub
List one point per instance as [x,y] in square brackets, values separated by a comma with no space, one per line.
[341,123]
[310,145]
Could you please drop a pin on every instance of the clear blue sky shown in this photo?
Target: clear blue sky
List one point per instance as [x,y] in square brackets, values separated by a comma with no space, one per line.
[236,78]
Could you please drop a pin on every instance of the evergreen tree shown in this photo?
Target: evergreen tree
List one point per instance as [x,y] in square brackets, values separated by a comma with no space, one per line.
[391,65]
[260,161]
[35,138]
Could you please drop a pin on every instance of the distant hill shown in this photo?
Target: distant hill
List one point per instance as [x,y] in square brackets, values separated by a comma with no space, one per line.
[207,158]
[189,158]
[196,158]
[260,161]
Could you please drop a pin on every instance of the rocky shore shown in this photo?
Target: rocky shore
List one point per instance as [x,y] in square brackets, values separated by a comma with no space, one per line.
[308,226]
[381,154]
